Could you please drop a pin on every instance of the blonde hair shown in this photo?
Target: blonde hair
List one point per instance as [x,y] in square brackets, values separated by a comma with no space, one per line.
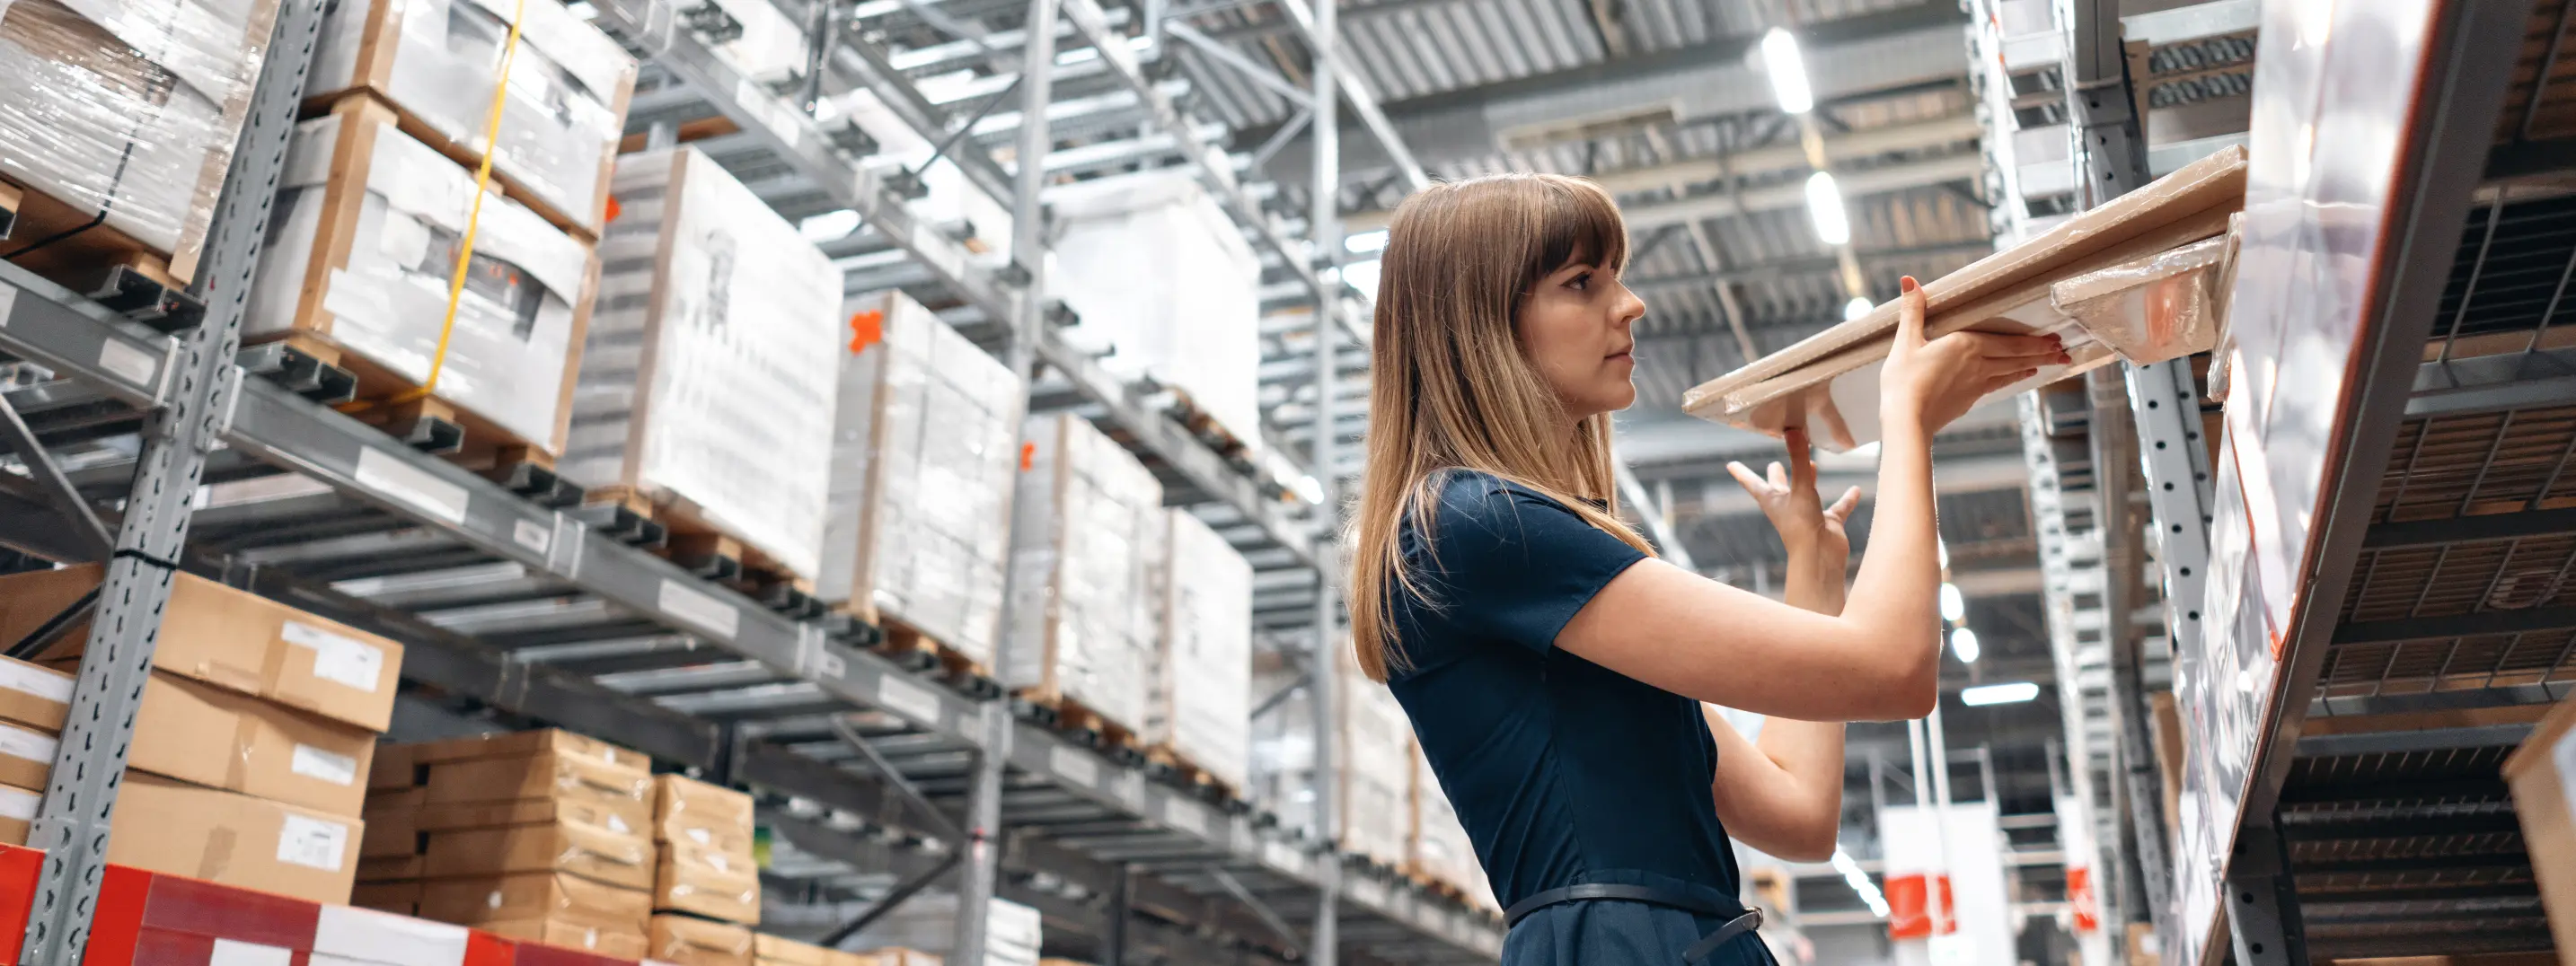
[1450,387]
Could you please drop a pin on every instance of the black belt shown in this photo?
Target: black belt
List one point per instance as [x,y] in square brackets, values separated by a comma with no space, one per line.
[1739,921]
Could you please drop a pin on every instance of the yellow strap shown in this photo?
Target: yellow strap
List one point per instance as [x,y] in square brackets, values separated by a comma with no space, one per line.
[474,216]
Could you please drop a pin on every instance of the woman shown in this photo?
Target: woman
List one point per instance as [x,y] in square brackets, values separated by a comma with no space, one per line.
[1553,669]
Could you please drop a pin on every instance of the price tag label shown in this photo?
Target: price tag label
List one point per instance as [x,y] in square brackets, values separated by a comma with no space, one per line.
[908,699]
[1074,765]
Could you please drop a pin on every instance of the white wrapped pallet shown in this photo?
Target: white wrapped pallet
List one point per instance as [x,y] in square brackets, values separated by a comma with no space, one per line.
[710,376]
[924,460]
[1377,767]
[1194,322]
[928,923]
[1086,527]
[1439,849]
[1202,700]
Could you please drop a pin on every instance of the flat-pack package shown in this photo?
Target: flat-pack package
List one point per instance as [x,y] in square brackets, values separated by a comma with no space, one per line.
[120,118]
[438,61]
[925,455]
[2542,774]
[713,363]
[1194,322]
[2135,279]
[234,839]
[928,923]
[362,255]
[1201,702]
[1086,528]
[1376,767]
[690,941]
[1439,848]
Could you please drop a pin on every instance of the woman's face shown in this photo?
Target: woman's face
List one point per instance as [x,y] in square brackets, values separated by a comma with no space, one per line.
[1575,327]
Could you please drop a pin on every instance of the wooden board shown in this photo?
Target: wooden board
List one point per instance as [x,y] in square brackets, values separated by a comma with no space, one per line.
[1190,774]
[1073,716]
[485,444]
[65,244]
[696,543]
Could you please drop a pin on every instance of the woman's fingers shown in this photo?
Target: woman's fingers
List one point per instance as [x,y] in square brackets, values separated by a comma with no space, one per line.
[1779,478]
[1909,313]
[1744,477]
[1995,383]
[1842,508]
[1802,463]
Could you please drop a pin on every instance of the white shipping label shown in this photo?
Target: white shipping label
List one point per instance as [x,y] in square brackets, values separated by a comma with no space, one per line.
[329,766]
[401,482]
[20,805]
[234,952]
[24,744]
[37,681]
[339,658]
[313,843]
[132,364]
[699,607]
[1074,764]
[2565,755]
[532,535]
[618,825]
[1184,816]
[908,699]
[701,836]
[1368,892]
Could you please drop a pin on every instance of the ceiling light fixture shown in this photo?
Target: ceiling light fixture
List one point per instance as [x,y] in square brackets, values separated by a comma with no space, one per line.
[1857,307]
[1825,205]
[1963,642]
[1986,694]
[1788,70]
[1954,608]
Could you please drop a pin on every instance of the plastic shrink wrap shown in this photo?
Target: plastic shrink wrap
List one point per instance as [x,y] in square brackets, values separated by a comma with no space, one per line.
[924,459]
[1193,321]
[1087,527]
[364,263]
[437,62]
[1374,743]
[928,923]
[2164,306]
[1202,695]
[120,120]
[713,364]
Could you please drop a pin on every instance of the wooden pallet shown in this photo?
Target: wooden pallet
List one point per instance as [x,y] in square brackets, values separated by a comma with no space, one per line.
[1192,776]
[914,648]
[706,550]
[1204,426]
[1073,717]
[67,244]
[9,200]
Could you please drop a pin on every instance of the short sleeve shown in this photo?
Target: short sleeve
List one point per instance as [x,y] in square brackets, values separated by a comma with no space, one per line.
[1507,562]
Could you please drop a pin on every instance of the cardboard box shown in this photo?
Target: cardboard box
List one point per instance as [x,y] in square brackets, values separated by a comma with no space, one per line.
[583,850]
[396,768]
[199,733]
[33,695]
[683,941]
[17,811]
[520,744]
[400,898]
[705,883]
[768,950]
[393,823]
[1200,704]
[234,839]
[925,454]
[557,896]
[707,816]
[708,379]
[122,119]
[364,238]
[898,957]
[438,59]
[545,787]
[393,868]
[2542,774]
[233,639]
[1087,525]
[26,756]
[571,935]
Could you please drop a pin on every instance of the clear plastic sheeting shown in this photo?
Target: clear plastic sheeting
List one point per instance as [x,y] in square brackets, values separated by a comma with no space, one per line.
[1087,529]
[366,264]
[709,380]
[437,61]
[1202,693]
[924,459]
[2161,307]
[123,116]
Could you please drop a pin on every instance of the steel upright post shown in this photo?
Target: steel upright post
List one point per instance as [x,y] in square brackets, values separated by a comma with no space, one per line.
[1323,228]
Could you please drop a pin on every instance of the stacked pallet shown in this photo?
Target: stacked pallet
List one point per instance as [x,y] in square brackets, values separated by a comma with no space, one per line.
[925,453]
[1438,853]
[706,882]
[708,379]
[1087,524]
[928,923]
[1199,718]
[1377,770]
[118,121]
[538,835]
[256,729]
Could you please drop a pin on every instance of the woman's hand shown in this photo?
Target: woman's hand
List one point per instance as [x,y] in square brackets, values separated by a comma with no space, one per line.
[1806,526]
[1928,384]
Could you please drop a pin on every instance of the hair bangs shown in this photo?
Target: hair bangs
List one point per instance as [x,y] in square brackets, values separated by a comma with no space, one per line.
[1579,224]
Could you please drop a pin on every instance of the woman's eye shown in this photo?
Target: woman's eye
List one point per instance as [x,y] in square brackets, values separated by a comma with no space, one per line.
[1580,282]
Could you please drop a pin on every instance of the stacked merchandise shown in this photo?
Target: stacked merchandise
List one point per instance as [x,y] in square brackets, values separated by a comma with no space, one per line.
[1201,704]
[438,62]
[712,366]
[772,951]
[705,866]
[691,941]
[2542,774]
[928,922]
[34,701]
[1086,527]
[1280,761]
[924,458]
[1193,323]
[1438,850]
[538,835]
[362,253]
[119,120]
[256,729]
[1376,746]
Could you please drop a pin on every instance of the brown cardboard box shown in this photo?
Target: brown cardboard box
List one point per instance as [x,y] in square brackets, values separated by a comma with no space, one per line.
[571,935]
[401,898]
[396,767]
[520,744]
[584,850]
[769,950]
[199,733]
[708,816]
[901,957]
[26,756]
[683,941]
[547,786]
[17,810]
[710,884]
[233,639]
[558,896]
[392,868]
[393,827]
[2543,776]
[36,696]
[234,839]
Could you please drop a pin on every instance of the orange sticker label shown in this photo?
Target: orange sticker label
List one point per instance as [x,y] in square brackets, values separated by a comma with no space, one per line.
[1028,457]
[866,329]
[613,208]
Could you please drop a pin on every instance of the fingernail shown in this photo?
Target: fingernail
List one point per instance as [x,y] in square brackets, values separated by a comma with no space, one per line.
[1907,284]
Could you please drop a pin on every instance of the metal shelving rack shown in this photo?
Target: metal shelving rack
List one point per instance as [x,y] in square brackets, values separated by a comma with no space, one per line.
[532,611]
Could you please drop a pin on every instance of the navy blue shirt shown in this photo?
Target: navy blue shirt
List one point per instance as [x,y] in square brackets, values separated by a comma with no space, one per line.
[1563,771]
